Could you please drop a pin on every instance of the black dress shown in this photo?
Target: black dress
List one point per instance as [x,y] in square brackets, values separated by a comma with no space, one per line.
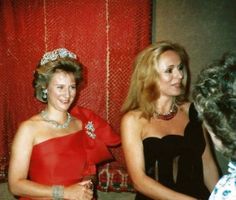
[186,152]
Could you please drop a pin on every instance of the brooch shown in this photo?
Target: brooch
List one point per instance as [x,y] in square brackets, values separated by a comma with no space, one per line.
[90,130]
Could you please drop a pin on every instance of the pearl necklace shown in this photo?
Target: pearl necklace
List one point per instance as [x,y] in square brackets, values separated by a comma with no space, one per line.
[53,122]
[166,116]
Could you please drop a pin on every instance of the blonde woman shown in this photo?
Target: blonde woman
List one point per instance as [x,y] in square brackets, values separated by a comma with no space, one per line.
[167,155]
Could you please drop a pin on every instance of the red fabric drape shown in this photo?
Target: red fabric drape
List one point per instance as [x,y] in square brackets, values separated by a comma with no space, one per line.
[106,35]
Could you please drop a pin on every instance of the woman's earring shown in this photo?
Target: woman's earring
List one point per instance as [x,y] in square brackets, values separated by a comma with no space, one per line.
[45,94]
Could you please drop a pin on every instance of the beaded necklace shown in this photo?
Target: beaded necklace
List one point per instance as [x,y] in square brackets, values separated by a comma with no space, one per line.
[166,116]
[55,123]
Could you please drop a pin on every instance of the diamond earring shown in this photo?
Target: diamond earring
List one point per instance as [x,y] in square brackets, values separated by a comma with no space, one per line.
[45,94]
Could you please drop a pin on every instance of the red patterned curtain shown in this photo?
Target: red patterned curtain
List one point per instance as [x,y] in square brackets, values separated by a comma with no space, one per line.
[105,34]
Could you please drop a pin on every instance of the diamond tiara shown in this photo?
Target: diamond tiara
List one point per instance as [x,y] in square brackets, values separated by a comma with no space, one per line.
[55,54]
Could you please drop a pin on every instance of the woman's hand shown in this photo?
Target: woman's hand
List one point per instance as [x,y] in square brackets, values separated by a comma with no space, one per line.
[80,191]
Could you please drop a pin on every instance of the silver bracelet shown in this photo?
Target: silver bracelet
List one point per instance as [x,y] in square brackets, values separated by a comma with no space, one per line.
[57,192]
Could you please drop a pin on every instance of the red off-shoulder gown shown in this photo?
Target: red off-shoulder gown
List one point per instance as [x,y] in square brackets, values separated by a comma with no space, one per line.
[68,159]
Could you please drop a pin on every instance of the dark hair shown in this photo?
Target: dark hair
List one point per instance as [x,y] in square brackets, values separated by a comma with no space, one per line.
[215,98]
[43,74]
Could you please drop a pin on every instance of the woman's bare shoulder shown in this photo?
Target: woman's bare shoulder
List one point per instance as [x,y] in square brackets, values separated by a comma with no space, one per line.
[133,121]
[132,116]
[33,121]
[30,125]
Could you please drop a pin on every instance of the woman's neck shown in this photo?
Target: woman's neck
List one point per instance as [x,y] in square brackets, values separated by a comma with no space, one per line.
[56,115]
[164,105]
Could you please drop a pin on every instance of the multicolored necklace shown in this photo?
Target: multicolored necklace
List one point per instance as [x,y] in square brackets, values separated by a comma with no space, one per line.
[167,116]
[55,123]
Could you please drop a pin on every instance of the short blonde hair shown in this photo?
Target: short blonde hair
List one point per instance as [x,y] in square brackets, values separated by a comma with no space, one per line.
[43,74]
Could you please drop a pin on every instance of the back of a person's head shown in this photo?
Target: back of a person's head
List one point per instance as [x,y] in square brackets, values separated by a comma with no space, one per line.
[214,95]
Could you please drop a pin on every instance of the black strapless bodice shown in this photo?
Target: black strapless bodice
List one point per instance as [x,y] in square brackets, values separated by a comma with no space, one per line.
[182,154]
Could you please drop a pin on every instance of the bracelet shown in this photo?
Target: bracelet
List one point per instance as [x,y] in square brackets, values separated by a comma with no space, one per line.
[57,192]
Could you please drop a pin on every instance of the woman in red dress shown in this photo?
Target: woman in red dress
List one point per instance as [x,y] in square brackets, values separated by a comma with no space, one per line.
[54,153]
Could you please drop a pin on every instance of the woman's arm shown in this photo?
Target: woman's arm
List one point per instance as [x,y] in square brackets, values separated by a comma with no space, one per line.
[19,166]
[131,129]
[211,173]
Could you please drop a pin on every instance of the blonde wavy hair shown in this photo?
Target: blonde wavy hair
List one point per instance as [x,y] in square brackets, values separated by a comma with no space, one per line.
[144,90]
